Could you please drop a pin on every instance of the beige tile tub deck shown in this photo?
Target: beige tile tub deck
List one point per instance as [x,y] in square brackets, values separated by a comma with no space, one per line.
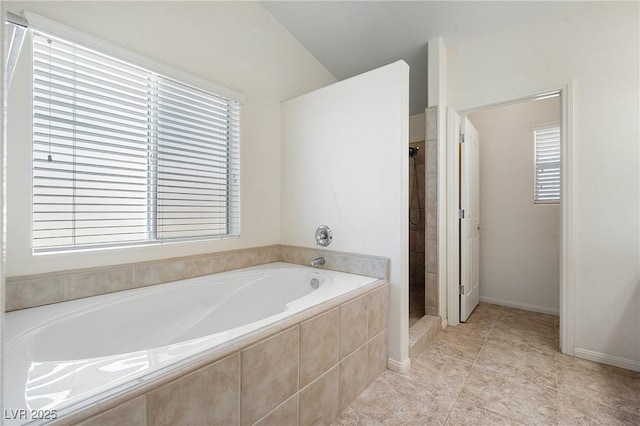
[42,289]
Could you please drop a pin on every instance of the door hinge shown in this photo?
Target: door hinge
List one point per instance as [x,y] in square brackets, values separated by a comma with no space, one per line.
[461,214]
[461,137]
[462,290]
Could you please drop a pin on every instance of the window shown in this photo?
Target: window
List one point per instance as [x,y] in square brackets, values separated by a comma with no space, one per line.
[547,163]
[123,155]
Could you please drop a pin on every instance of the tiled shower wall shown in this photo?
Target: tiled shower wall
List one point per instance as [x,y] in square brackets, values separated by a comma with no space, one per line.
[423,236]
[417,216]
[431,226]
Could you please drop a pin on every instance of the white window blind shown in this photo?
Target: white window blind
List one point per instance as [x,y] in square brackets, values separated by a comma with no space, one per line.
[123,155]
[547,163]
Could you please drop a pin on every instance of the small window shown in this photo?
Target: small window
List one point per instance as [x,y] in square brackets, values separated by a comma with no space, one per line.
[547,163]
[123,155]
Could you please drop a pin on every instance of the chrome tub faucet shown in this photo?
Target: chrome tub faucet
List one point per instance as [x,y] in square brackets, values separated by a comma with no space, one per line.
[318,261]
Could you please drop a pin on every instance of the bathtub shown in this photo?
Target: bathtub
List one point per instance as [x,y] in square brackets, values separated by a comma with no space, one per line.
[60,355]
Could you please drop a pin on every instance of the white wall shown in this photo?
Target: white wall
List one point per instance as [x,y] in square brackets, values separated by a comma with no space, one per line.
[345,165]
[596,48]
[520,240]
[235,44]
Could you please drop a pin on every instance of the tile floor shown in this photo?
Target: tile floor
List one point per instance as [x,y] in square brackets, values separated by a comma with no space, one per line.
[501,367]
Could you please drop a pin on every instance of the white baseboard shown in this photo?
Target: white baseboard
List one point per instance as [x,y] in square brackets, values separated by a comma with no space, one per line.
[517,305]
[628,364]
[444,323]
[399,367]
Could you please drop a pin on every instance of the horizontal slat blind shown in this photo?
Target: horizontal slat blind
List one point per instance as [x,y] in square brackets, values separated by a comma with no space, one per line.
[122,155]
[547,164]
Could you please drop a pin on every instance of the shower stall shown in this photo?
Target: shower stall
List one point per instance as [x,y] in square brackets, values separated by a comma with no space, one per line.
[417,215]
[424,305]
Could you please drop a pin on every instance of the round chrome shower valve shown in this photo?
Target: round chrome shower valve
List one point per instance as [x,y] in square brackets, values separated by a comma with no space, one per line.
[324,236]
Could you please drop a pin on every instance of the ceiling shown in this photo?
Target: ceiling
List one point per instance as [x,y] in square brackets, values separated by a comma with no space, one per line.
[351,37]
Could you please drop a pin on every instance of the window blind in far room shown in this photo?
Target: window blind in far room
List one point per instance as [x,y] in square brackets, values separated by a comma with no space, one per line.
[547,163]
[123,155]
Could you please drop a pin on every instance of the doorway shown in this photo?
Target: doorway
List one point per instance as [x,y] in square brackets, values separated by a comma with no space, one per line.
[453,231]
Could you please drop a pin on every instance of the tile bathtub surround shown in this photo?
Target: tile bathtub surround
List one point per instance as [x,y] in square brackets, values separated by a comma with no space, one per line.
[501,367]
[353,325]
[371,266]
[42,289]
[276,376]
[269,374]
[318,345]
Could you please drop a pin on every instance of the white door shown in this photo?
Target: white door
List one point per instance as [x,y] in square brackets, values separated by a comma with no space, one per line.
[470,219]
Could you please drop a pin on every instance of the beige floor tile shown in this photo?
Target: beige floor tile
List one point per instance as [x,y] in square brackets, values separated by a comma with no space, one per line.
[464,413]
[395,400]
[504,334]
[578,411]
[351,417]
[442,372]
[616,391]
[513,397]
[501,367]
[524,324]
[483,316]
[478,328]
[580,364]
[529,316]
[482,306]
[537,367]
[455,344]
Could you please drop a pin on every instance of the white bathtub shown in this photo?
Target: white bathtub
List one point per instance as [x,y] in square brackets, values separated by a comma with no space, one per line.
[58,355]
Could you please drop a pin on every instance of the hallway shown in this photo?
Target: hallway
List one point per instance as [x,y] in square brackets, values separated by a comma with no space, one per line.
[501,367]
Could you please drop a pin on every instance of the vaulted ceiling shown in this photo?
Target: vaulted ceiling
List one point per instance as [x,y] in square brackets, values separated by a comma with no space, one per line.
[351,37]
